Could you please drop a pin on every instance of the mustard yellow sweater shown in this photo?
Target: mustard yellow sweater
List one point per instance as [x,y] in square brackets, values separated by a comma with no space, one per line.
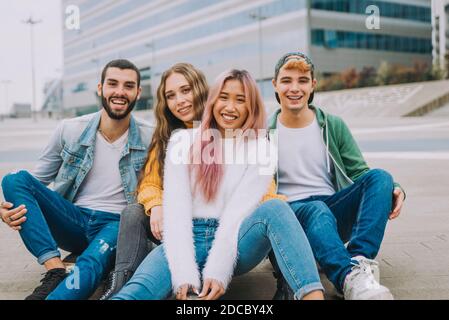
[149,193]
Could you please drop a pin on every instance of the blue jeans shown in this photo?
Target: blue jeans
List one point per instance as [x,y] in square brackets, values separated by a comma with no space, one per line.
[272,226]
[357,214]
[54,222]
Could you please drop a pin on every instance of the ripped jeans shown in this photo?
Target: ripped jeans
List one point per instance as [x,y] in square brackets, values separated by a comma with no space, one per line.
[53,222]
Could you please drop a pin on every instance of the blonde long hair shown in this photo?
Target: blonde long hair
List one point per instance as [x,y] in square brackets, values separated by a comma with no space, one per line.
[166,122]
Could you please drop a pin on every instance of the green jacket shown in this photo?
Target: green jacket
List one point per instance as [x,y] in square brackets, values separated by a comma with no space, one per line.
[342,149]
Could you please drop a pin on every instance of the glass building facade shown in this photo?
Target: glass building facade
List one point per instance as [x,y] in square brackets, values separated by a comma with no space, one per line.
[387,8]
[215,35]
[360,40]
[237,20]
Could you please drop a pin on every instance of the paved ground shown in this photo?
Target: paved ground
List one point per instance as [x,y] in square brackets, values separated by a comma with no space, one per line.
[382,101]
[414,257]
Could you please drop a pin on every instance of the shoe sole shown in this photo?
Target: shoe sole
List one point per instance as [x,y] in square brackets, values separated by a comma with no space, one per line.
[378,296]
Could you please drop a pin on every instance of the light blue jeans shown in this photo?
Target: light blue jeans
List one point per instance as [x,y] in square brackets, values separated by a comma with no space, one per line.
[273,225]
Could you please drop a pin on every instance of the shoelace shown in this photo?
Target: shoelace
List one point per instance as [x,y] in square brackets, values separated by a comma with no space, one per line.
[111,285]
[370,262]
[48,279]
[364,268]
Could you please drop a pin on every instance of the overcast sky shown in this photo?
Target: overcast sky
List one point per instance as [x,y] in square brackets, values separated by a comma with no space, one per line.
[15,59]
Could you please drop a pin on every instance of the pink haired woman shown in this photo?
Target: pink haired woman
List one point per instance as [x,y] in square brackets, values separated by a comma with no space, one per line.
[221,214]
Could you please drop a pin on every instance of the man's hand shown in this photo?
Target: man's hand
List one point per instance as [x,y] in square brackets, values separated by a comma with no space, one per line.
[212,290]
[156,222]
[398,201]
[13,217]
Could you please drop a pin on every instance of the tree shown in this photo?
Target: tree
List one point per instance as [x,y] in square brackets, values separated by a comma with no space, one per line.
[350,78]
[367,77]
[402,74]
[437,73]
[384,74]
[422,71]
[332,82]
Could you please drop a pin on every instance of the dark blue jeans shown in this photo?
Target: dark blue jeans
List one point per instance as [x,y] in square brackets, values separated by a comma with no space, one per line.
[54,222]
[357,214]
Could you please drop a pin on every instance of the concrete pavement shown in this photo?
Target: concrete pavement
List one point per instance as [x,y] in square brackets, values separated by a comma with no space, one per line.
[414,257]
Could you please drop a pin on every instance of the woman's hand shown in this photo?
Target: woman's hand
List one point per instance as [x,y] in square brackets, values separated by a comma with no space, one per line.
[181,293]
[156,222]
[212,290]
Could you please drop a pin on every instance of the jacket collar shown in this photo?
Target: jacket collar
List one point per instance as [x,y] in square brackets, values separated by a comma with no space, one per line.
[89,134]
[320,116]
[134,140]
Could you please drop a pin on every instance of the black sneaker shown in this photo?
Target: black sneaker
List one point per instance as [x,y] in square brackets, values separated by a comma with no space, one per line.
[51,280]
[283,290]
[116,281]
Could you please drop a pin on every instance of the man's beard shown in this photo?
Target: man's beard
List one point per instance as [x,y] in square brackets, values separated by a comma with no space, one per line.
[114,115]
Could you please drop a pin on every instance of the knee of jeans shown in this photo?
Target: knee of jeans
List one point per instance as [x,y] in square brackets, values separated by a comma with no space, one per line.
[320,212]
[15,179]
[147,284]
[133,213]
[381,178]
[276,209]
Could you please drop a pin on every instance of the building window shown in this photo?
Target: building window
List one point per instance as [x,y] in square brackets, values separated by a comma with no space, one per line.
[387,9]
[330,39]
[80,87]
[145,73]
[369,41]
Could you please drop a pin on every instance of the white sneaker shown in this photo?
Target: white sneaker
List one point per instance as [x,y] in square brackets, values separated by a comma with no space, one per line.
[373,264]
[361,284]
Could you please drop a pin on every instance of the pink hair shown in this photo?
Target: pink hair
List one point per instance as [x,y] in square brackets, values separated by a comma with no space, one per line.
[208,174]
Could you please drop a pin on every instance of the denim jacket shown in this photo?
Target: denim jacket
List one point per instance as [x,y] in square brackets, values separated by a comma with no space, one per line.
[68,157]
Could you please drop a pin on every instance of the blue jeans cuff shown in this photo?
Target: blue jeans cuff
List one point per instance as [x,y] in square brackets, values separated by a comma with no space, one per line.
[48,255]
[305,290]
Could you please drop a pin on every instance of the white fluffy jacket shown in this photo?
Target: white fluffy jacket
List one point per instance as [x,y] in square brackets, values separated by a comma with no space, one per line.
[240,191]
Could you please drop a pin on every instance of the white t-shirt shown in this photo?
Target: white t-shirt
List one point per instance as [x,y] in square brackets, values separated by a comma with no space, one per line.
[303,170]
[102,188]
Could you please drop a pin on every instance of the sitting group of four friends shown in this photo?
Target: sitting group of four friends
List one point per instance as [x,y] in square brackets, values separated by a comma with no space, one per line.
[179,208]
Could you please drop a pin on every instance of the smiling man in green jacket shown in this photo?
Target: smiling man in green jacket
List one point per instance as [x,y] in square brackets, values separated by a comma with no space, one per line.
[334,194]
